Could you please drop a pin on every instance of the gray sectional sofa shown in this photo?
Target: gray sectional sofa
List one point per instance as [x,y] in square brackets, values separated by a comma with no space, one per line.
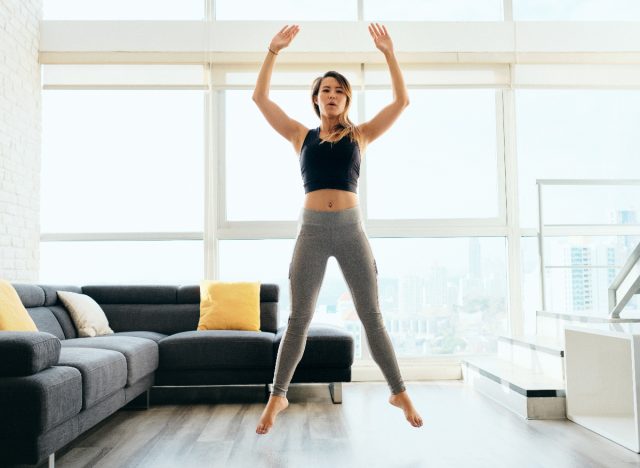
[54,385]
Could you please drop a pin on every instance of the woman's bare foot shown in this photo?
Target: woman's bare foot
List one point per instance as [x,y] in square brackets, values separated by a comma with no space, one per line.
[402,400]
[274,406]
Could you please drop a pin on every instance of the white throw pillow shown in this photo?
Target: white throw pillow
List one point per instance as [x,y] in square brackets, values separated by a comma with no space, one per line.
[87,315]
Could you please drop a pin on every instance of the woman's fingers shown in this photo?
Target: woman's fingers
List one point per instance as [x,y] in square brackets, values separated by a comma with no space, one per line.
[376,30]
[291,33]
[372,31]
[380,30]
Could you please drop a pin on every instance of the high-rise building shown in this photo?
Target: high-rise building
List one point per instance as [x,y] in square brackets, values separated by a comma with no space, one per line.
[581,279]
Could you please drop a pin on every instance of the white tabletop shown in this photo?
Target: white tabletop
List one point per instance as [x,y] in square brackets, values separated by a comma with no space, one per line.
[611,329]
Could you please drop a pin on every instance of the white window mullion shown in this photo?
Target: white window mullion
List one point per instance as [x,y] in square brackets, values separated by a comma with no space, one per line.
[516,314]
[365,351]
[211,176]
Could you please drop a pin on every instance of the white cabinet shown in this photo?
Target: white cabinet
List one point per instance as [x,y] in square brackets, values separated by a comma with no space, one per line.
[602,369]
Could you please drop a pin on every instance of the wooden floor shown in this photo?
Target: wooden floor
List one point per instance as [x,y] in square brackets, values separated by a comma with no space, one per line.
[215,427]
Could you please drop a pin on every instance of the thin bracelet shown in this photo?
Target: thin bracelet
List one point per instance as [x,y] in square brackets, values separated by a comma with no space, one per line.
[272,51]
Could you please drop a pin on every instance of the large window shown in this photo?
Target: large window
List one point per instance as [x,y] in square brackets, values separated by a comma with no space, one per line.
[442,296]
[577,134]
[121,262]
[437,296]
[263,180]
[372,10]
[424,168]
[290,10]
[122,185]
[576,10]
[126,156]
[578,274]
[122,160]
[129,152]
[123,9]
[433,10]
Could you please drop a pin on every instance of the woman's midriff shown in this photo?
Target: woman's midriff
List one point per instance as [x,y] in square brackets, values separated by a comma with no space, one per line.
[330,200]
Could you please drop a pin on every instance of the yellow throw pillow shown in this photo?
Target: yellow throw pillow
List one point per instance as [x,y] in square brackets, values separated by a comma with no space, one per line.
[229,305]
[13,315]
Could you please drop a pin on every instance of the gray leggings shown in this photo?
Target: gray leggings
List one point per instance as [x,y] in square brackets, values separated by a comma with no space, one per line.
[322,234]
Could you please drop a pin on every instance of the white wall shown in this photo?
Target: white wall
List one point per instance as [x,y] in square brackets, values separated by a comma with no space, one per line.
[20,130]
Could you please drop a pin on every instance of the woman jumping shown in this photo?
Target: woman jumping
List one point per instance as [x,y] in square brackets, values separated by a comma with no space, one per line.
[330,222]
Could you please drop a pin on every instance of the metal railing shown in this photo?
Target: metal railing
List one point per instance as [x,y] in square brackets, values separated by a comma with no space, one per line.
[626,283]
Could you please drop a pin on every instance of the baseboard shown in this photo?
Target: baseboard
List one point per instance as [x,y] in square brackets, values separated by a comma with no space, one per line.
[370,372]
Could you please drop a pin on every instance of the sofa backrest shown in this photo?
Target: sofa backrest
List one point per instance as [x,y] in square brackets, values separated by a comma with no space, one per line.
[159,308]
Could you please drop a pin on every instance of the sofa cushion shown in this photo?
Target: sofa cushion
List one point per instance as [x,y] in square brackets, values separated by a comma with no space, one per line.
[46,321]
[131,294]
[27,353]
[167,309]
[64,321]
[149,335]
[46,310]
[88,317]
[13,314]
[104,372]
[31,295]
[160,318]
[36,403]
[217,349]
[51,293]
[228,305]
[327,346]
[141,353]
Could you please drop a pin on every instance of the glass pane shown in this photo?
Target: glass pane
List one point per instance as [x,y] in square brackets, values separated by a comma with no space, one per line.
[123,9]
[439,74]
[579,204]
[438,296]
[433,10]
[268,261]
[443,295]
[263,170]
[575,134]
[121,74]
[439,160]
[585,290]
[576,10]
[108,262]
[126,160]
[530,268]
[286,10]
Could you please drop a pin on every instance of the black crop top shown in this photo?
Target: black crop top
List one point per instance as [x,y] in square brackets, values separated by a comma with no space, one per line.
[329,165]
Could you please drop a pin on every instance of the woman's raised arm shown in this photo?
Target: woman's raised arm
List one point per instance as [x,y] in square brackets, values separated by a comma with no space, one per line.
[281,122]
[385,118]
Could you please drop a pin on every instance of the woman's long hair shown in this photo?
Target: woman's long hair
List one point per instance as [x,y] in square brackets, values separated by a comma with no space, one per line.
[344,126]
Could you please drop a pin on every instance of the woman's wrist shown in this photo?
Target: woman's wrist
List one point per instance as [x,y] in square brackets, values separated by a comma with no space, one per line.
[273,51]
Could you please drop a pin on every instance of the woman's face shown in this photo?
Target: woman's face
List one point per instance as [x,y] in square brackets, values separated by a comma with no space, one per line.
[331,98]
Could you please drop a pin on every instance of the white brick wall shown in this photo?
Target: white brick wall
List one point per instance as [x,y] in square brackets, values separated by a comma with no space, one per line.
[20,130]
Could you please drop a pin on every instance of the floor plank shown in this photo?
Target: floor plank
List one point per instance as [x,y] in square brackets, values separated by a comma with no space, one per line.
[215,427]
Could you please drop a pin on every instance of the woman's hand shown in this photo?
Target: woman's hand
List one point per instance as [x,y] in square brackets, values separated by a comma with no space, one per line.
[381,38]
[284,37]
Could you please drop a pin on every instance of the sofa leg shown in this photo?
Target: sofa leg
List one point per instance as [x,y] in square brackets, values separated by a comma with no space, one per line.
[141,402]
[335,388]
[52,460]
